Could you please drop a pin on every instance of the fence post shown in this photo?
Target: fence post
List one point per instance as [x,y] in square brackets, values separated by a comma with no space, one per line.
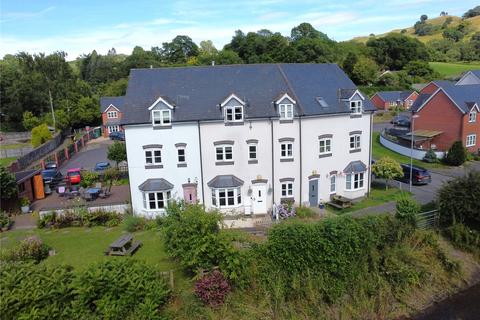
[67,156]
[75,146]
[42,164]
[83,142]
[56,159]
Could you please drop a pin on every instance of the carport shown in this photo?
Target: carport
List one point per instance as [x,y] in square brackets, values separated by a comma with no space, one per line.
[422,139]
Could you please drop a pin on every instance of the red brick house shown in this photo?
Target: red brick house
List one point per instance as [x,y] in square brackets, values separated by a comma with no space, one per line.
[451,109]
[435,85]
[111,109]
[384,100]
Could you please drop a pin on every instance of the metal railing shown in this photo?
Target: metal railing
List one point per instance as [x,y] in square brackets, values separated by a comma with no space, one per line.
[428,219]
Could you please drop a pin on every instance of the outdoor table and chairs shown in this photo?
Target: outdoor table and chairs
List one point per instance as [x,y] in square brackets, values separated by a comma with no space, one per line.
[91,193]
[124,246]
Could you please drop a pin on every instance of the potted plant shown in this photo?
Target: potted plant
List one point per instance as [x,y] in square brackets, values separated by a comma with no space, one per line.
[25,204]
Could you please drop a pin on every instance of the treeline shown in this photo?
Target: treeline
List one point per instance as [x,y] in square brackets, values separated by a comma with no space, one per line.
[31,84]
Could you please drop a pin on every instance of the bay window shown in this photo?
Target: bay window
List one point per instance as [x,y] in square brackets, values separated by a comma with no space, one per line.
[155,200]
[226,197]
[355,181]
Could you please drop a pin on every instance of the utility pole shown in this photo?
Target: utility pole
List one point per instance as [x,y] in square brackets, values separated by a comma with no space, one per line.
[51,108]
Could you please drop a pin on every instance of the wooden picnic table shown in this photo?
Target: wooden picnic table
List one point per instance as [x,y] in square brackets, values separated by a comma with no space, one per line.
[340,202]
[123,246]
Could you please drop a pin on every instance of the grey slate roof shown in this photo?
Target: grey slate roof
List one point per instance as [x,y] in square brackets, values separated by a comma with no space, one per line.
[105,102]
[355,167]
[159,184]
[21,176]
[394,95]
[225,181]
[464,96]
[444,83]
[198,91]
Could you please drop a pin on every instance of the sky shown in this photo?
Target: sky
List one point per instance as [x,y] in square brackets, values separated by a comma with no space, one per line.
[78,27]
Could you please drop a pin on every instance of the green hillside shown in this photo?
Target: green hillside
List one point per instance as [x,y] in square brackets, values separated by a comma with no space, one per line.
[448,69]
[474,27]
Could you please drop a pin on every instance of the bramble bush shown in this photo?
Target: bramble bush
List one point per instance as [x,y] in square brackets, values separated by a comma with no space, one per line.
[134,223]
[78,217]
[212,288]
[30,249]
[407,210]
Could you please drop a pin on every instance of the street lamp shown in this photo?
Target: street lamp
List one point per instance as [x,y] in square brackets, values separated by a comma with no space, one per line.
[411,148]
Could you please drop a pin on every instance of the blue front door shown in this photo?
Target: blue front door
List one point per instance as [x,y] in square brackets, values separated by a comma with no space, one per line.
[313,192]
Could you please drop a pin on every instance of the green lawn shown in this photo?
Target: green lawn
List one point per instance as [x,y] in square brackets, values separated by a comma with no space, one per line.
[380,151]
[6,161]
[453,69]
[79,247]
[14,145]
[378,196]
[382,117]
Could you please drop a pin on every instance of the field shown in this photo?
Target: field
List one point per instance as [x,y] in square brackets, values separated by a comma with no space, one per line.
[453,69]
[6,161]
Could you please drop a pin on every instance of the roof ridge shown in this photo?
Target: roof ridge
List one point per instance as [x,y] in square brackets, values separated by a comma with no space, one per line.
[285,78]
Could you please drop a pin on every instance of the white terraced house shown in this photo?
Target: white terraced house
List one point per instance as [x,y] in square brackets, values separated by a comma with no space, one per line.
[241,138]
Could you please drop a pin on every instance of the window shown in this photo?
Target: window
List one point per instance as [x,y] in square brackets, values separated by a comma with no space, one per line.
[356,107]
[114,128]
[472,116]
[354,181]
[252,152]
[112,114]
[286,150]
[161,117]
[224,153]
[355,142]
[153,156]
[287,189]
[156,200]
[471,140]
[325,146]
[286,111]
[224,198]
[181,155]
[234,114]
[333,187]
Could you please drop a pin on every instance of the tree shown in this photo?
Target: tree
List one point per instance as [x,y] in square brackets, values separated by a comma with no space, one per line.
[472,13]
[423,18]
[458,200]
[387,168]
[365,71]
[421,69]
[179,50]
[306,30]
[457,154]
[30,121]
[40,135]
[453,34]
[117,152]
[349,63]
[8,185]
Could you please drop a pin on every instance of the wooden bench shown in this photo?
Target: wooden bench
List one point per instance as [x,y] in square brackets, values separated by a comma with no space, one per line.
[340,202]
[124,246]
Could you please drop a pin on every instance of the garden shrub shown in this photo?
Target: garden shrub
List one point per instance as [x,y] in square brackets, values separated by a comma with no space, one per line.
[305,212]
[88,178]
[134,223]
[79,216]
[430,156]
[30,249]
[463,237]
[407,210]
[457,154]
[5,221]
[121,289]
[212,288]
[40,135]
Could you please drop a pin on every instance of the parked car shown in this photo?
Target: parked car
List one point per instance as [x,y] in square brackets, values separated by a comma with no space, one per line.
[119,135]
[73,175]
[51,177]
[401,121]
[51,165]
[420,175]
[101,166]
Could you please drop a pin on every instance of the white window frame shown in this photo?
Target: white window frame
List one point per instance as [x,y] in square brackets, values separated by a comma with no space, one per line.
[234,111]
[285,153]
[286,111]
[112,114]
[113,128]
[161,117]
[236,197]
[327,146]
[357,141]
[153,157]
[224,152]
[179,155]
[356,107]
[333,184]
[286,189]
[472,116]
[471,140]
[355,181]
[250,152]
[156,197]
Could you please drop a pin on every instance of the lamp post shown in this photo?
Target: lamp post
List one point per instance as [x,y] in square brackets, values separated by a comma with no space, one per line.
[411,149]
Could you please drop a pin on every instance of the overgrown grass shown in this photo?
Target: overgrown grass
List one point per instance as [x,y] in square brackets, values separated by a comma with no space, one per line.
[6,161]
[14,146]
[453,69]
[380,151]
[382,117]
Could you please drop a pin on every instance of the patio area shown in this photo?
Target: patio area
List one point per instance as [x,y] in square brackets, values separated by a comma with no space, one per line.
[119,195]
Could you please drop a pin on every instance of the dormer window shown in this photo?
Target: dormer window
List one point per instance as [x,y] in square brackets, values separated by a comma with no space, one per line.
[286,111]
[356,107]
[161,117]
[112,114]
[234,114]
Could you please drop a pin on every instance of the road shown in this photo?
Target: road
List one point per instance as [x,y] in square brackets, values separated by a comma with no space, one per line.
[95,151]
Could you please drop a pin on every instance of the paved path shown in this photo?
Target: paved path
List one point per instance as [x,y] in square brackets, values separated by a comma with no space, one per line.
[24,221]
[95,151]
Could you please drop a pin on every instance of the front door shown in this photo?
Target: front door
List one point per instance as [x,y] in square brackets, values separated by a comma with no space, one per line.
[313,192]
[190,193]
[259,198]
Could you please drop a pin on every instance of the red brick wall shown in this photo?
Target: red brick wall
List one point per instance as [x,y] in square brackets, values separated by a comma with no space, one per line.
[440,114]
[430,88]
[412,97]
[471,128]
[104,120]
[379,103]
